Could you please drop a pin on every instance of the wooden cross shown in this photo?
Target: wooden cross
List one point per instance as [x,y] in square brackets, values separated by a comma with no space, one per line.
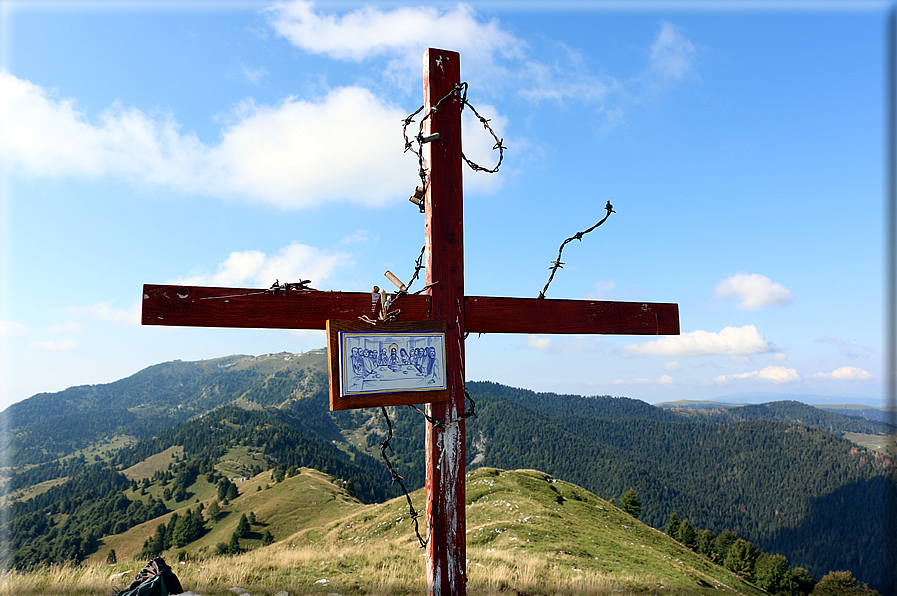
[444,301]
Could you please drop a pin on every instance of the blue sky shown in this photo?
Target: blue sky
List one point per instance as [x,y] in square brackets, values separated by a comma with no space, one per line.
[233,144]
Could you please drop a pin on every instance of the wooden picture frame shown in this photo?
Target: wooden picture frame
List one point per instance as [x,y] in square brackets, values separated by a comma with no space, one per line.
[389,364]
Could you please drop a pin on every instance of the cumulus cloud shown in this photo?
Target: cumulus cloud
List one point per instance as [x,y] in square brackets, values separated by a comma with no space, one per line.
[753,291]
[12,329]
[731,341]
[672,54]
[773,374]
[295,154]
[845,373]
[672,365]
[255,268]
[401,34]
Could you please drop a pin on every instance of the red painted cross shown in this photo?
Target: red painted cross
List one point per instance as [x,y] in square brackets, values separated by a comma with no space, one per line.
[445,301]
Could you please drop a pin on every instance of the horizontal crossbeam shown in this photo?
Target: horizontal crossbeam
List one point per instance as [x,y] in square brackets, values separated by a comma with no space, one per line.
[485,314]
[197,306]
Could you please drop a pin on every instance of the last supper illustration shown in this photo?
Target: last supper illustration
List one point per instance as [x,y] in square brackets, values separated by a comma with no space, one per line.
[391,362]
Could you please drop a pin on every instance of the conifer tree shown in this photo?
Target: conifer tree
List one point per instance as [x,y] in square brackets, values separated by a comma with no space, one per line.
[233,546]
[631,504]
[686,535]
[741,558]
[213,511]
[243,527]
[672,529]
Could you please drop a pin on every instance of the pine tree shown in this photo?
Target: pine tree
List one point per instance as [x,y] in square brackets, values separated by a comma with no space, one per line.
[704,543]
[672,529]
[213,511]
[111,559]
[741,558]
[631,504]
[243,527]
[233,546]
[686,535]
[267,538]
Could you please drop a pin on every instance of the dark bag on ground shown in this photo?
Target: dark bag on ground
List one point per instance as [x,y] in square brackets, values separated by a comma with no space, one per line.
[156,579]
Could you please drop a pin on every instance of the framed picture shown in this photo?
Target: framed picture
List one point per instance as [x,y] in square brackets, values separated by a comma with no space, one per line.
[387,364]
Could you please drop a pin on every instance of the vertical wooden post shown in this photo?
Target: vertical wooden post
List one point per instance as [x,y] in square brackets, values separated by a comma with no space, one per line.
[445,451]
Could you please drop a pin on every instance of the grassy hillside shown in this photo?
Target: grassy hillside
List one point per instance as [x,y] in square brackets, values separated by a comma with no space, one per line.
[528,533]
[779,475]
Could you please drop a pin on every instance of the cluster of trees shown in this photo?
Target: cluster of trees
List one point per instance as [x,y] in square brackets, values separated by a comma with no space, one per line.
[772,573]
[180,531]
[243,530]
[805,493]
[65,523]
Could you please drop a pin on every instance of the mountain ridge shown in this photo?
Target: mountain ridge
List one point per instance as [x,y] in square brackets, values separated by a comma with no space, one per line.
[694,464]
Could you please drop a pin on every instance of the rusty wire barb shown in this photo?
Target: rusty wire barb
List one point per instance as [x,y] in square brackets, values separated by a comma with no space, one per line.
[412,512]
[275,289]
[460,90]
[577,236]
[440,423]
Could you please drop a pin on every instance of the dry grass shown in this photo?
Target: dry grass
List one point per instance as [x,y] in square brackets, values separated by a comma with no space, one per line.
[521,541]
[372,569]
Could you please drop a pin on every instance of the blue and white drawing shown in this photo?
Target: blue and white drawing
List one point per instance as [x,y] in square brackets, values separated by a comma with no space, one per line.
[391,362]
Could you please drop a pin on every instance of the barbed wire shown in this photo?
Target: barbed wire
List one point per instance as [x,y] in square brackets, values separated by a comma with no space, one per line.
[413,514]
[459,90]
[557,264]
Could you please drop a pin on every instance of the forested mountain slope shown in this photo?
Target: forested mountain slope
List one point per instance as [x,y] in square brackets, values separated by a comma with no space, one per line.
[778,475]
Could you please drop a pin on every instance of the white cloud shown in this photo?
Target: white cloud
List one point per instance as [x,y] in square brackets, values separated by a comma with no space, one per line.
[295,154]
[12,329]
[56,346]
[402,34]
[567,78]
[845,373]
[731,341]
[293,263]
[672,365]
[538,342]
[103,311]
[773,374]
[753,290]
[672,55]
